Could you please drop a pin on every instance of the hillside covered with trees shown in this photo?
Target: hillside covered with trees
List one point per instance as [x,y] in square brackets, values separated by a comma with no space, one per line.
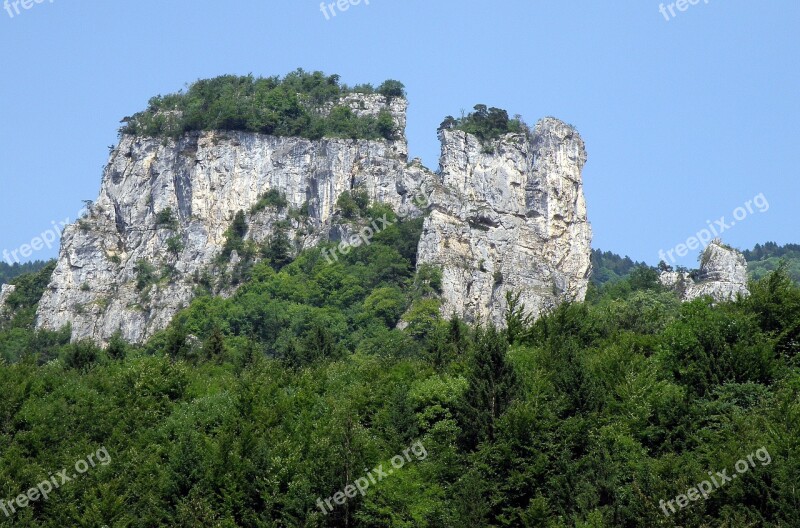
[248,410]
[9,271]
[763,259]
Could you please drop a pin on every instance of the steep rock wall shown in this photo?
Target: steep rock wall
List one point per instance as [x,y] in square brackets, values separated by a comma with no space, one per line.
[509,218]
[204,179]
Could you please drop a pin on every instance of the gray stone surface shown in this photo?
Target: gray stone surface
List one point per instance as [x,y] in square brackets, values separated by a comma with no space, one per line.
[204,178]
[722,275]
[5,291]
[514,220]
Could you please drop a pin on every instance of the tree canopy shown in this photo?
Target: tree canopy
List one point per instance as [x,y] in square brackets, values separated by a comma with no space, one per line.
[485,123]
[248,409]
[301,104]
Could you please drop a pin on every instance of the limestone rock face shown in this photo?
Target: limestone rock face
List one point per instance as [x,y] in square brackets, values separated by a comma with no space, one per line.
[509,217]
[5,291]
[132,262]
[722,275]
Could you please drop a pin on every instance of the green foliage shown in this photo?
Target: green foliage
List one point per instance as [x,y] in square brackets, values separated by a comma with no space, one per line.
[272,198]
[392,88]
[30,287]
[145,275]
[517,321]
[278,250]
[281,107]
[175,245]
[491,388]
[117,347]
[775,303]
[247,409]
[763,259]
[234,236]
[428,281]
[487,124]
[166,219]
[609,267]
[353,204]
[8,272]
[81,355]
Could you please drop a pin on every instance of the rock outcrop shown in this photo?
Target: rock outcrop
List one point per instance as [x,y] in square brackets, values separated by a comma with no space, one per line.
[133,261]
[722,275]
[509,220]
[509,217]
[5,291]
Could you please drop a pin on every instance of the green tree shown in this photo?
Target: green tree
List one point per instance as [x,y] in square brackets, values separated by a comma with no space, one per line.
[81,355]
[278,249]
[392,88]
[234,236]
[117,347]
[492,384]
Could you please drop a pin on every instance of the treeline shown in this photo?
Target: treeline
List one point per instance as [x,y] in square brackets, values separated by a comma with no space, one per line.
[9,271]
[770,250]
[608,266]
[290,106]
[763,259]
[246,410]
[18,314]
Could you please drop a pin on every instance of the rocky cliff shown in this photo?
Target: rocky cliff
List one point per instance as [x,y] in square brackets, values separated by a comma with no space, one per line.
[510,218]
[5,291]
[722,275]
[133,261]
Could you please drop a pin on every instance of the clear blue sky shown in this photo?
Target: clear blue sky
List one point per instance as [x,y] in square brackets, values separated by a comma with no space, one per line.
[684,120]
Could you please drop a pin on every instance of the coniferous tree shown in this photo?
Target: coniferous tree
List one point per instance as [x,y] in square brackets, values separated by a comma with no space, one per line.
[492,385]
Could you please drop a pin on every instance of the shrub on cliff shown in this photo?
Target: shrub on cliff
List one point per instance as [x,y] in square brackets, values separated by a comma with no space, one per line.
[291,106]
[485,123]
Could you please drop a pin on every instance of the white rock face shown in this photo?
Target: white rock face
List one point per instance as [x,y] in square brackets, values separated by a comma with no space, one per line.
[513,220]
[5,291]
[722,275]
[510,221]
[204,179]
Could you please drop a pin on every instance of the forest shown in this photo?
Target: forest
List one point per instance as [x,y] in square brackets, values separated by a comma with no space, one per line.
[10,271]
[248,410]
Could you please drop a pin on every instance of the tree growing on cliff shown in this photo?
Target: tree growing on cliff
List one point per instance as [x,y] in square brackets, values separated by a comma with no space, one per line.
[487,124]
[302,104]
[392,88]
